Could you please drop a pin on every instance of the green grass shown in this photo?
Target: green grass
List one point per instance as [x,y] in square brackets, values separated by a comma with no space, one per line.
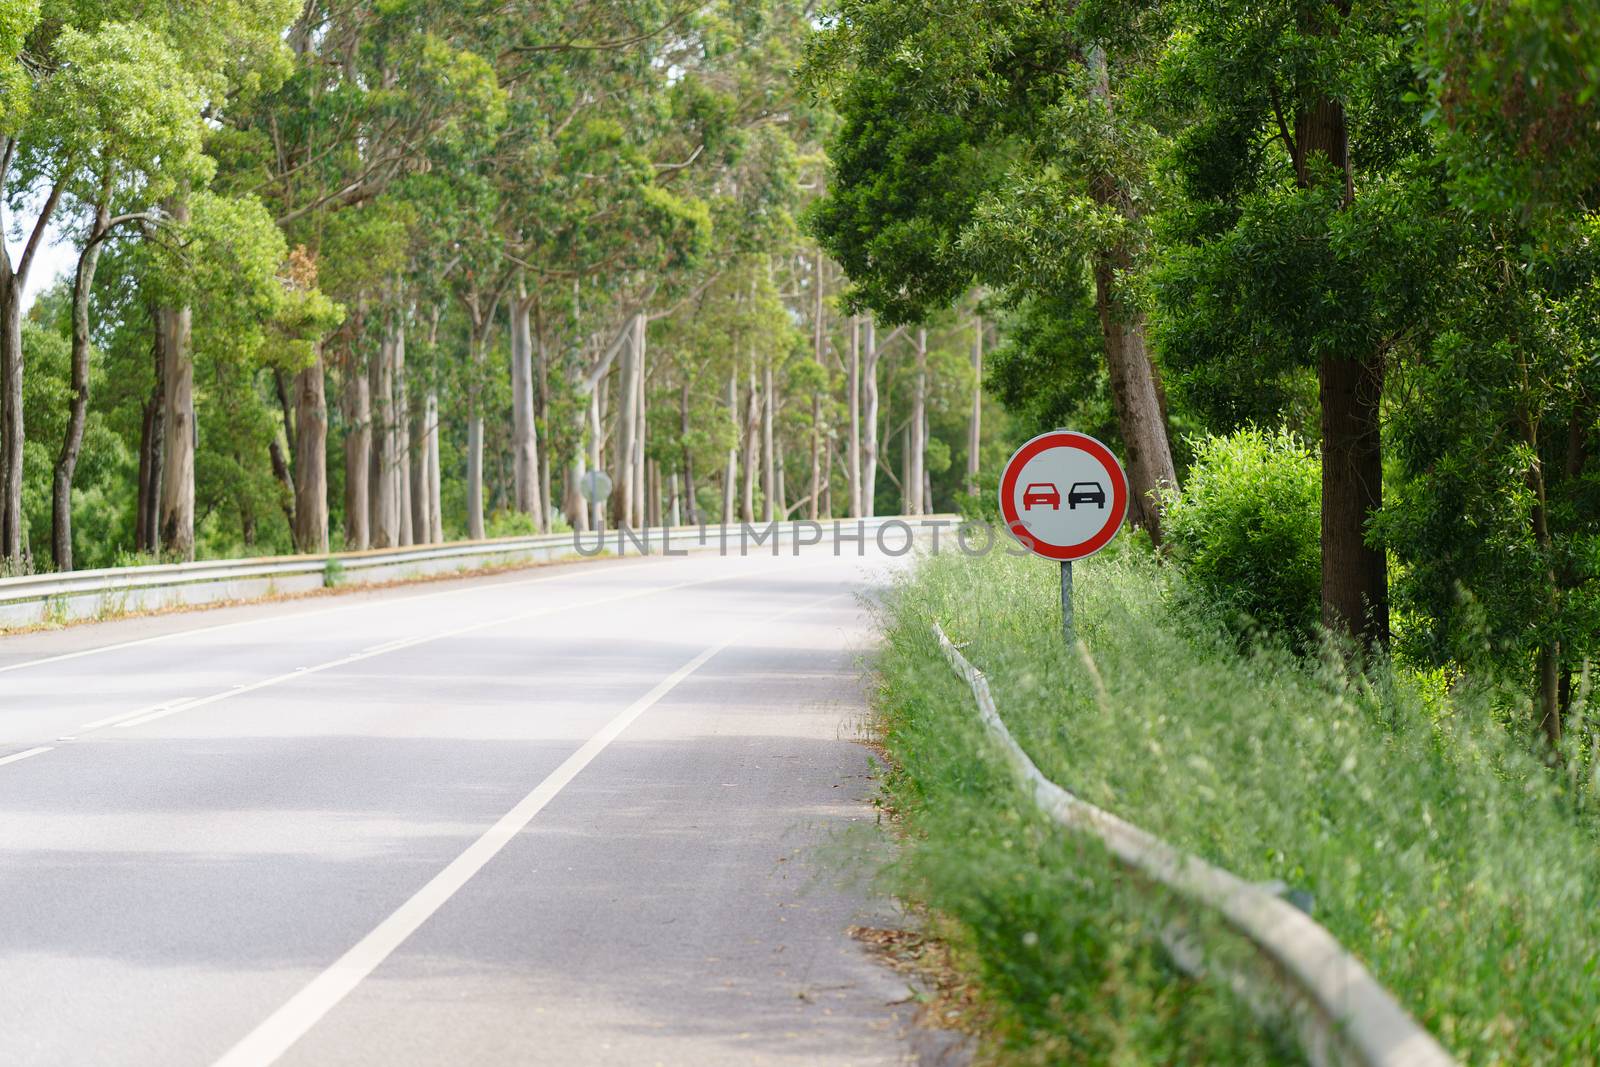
[1462,872]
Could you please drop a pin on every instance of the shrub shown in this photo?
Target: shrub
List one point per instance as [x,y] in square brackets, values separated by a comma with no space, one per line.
[1246,529]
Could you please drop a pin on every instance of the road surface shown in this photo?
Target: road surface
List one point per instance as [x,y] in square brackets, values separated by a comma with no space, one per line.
[590,814]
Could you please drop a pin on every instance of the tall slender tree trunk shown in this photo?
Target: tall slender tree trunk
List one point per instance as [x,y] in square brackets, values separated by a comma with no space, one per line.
[541,398]
[731,472]
[147,534]
[435,500]
[869,420]
[975,422]
[402,433]
[178,425]
[919,418]
[641,421]
[768,479]
[692,512]
[357,449]
[11,425]
[526,491]
[752,450]
[853,402]
[780,494]
[624,487]
[385,476]
[311,455]
[421,521]
[818,342]
[78,404]
[476,529]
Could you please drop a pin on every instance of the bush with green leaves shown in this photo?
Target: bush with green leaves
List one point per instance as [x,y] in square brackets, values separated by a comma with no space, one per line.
[1245,529]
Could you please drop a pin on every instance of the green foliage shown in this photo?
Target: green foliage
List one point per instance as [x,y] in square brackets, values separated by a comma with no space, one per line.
[1246,528]
[1513,95]
[1456,867]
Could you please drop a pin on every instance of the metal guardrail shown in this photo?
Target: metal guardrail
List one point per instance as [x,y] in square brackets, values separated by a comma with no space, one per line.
[1343,1015]
[30,600]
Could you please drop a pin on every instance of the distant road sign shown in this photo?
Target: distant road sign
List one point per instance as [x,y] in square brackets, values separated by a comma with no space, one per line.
[595,485]
[1064,495]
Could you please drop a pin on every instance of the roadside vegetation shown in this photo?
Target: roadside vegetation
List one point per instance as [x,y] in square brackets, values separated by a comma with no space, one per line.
[1455,865]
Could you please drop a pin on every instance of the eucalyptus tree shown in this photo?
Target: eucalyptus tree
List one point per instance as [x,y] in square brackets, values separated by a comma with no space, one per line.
[989,142]
[375,89]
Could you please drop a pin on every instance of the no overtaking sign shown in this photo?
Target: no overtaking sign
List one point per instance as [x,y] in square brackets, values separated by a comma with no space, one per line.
[1064,496]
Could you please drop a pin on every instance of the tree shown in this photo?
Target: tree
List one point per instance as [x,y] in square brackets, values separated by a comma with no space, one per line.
[985,142]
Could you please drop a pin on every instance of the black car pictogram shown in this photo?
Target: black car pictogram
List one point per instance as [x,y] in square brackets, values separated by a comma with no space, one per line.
[1086,493]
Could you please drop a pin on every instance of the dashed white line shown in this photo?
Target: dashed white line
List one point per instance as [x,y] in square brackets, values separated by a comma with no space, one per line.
[15,756]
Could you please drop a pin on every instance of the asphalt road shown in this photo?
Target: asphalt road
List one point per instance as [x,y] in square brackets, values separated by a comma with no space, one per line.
[593,814]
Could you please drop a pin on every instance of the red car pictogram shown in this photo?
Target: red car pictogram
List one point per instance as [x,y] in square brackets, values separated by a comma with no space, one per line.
[1040,494]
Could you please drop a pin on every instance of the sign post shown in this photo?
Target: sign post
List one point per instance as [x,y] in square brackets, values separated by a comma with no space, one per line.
[1064,496]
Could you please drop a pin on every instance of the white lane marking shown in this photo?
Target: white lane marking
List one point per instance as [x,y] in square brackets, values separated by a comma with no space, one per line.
[111,720]
[15,756]
[289,616]
[279,1031]
[152,714]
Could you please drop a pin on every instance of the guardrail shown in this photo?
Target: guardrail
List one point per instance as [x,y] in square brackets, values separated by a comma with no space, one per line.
[1343,1015]
[93,594]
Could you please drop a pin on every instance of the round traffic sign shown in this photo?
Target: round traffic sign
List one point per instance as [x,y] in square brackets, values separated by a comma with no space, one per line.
[594,485]
[1064,495]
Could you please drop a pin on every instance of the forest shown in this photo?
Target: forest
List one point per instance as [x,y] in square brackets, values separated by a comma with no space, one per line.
[374,273]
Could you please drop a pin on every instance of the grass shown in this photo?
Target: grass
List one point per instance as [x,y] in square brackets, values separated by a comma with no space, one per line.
[1462,872]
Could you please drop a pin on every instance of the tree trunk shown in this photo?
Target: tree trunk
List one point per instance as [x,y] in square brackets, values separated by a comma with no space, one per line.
[78,405]
[752,451]
[1355,579]
[818,342]
[641,421]
[11,425]
[526,491]
[1133,395]
[541,414]
[731,473]
[780,493]
[435,501]
[692,512]
[178,426]
[357,450]
[311,455]
[402,437]
[476,530]
[1140,410]
[919,419]
[975,423]
[869,421]
[421,499]
[624,486]
[147,535]
[768,481]
[853,402]
[1354,574]
[385,481]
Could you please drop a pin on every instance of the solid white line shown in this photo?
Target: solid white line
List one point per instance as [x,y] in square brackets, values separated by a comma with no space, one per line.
[279,1031]
[15,756]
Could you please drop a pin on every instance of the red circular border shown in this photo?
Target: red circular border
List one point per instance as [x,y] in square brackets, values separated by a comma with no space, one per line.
[1064,439]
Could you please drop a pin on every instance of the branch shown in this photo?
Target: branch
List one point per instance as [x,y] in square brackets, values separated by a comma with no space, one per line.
[38,232]
[899,332]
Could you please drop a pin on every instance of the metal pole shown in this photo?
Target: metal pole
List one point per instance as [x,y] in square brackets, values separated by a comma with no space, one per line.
[1066,601]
